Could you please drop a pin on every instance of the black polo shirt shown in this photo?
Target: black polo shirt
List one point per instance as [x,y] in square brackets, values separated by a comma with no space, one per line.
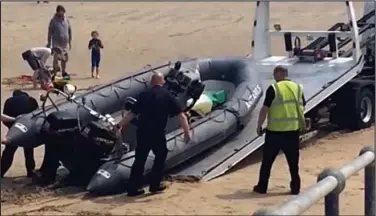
[154,106]
[18,105]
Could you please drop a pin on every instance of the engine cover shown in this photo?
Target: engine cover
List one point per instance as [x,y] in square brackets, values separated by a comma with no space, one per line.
[62,120]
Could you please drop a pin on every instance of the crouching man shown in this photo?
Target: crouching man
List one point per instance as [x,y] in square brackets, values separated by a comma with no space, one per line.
[37,58]
[20,103]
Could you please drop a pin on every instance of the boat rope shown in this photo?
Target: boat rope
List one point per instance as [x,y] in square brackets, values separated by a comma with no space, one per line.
[237,116]
[213,118]
[192,130]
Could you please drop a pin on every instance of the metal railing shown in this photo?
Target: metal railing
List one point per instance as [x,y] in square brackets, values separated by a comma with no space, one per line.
[330,183]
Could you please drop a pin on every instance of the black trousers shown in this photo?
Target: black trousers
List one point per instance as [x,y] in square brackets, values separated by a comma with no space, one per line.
[288,142]
[78,154]
[56,149]
[8,156]
[145,144]
[50,161]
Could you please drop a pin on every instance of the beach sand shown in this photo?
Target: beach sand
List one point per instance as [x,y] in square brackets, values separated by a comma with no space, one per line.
[137,34]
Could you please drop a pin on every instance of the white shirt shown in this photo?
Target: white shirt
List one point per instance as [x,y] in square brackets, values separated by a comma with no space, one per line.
[42,53]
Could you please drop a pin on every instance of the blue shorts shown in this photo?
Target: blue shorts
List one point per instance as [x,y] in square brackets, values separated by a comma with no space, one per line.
[95,59]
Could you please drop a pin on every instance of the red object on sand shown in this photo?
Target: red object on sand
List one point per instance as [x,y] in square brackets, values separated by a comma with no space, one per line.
[48,86]
[26,77]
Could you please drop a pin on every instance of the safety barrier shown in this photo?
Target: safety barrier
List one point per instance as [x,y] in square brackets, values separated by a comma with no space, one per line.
[330,183]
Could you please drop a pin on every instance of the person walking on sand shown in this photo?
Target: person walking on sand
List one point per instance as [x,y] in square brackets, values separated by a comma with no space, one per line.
[95,44]
[284,110]
[60,36]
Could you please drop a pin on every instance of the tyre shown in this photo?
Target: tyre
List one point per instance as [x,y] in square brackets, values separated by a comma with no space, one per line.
[356,115]
[364,114]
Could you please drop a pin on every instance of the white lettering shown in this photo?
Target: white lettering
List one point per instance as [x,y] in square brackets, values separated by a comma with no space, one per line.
[20,126]
[256,92]
[104,173]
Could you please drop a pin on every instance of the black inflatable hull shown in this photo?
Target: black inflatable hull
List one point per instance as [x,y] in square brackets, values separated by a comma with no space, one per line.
[109,98]
[207,132]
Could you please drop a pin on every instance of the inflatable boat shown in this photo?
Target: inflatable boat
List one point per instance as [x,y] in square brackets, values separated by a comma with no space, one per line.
[242,92]
[230,84]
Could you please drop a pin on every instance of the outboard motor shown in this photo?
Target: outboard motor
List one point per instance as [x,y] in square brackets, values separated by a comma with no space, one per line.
[81,150]
[184,83]
[99,137]
[93,143]
[61,121]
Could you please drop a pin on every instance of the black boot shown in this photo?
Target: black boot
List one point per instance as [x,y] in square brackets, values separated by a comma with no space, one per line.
[157,189]
[133,193]
[31,173]
[259,189]
[43,180]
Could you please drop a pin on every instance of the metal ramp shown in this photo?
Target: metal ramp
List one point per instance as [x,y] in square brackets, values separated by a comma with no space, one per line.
[363,44]
[204,168]
[322,42]
[225,156]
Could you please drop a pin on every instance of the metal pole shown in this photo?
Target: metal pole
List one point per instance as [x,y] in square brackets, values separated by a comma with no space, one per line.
[307,198]
[332,205]
[332,199]
[369,190]
[369,184]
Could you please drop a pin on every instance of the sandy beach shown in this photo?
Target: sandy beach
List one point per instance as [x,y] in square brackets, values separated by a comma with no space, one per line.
[137,34]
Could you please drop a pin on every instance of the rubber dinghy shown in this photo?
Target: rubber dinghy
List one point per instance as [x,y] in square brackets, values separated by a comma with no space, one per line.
[230,75]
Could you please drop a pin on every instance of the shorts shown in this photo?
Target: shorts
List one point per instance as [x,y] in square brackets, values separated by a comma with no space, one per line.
[56,59]
[31,59]
[65,54]
[95,59]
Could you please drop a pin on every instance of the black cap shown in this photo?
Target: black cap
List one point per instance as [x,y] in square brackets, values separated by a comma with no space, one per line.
[60,8]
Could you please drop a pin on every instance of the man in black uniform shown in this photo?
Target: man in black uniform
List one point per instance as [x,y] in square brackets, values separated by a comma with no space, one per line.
[282,134]
[153,106]
[56,147]
[20,103]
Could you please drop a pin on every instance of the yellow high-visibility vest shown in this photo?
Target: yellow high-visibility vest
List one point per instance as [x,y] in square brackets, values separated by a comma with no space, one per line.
[286,112]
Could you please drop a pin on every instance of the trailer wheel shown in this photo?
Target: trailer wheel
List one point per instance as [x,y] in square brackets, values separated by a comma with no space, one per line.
[357,115]
[365,110]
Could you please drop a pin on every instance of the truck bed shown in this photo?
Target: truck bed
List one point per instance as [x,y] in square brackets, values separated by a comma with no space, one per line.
[320,80]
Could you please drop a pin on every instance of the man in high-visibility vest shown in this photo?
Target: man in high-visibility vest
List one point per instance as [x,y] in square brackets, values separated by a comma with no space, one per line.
[284,108]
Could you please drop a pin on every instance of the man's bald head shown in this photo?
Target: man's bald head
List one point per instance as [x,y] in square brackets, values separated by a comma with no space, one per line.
[157,79]
[280,73]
